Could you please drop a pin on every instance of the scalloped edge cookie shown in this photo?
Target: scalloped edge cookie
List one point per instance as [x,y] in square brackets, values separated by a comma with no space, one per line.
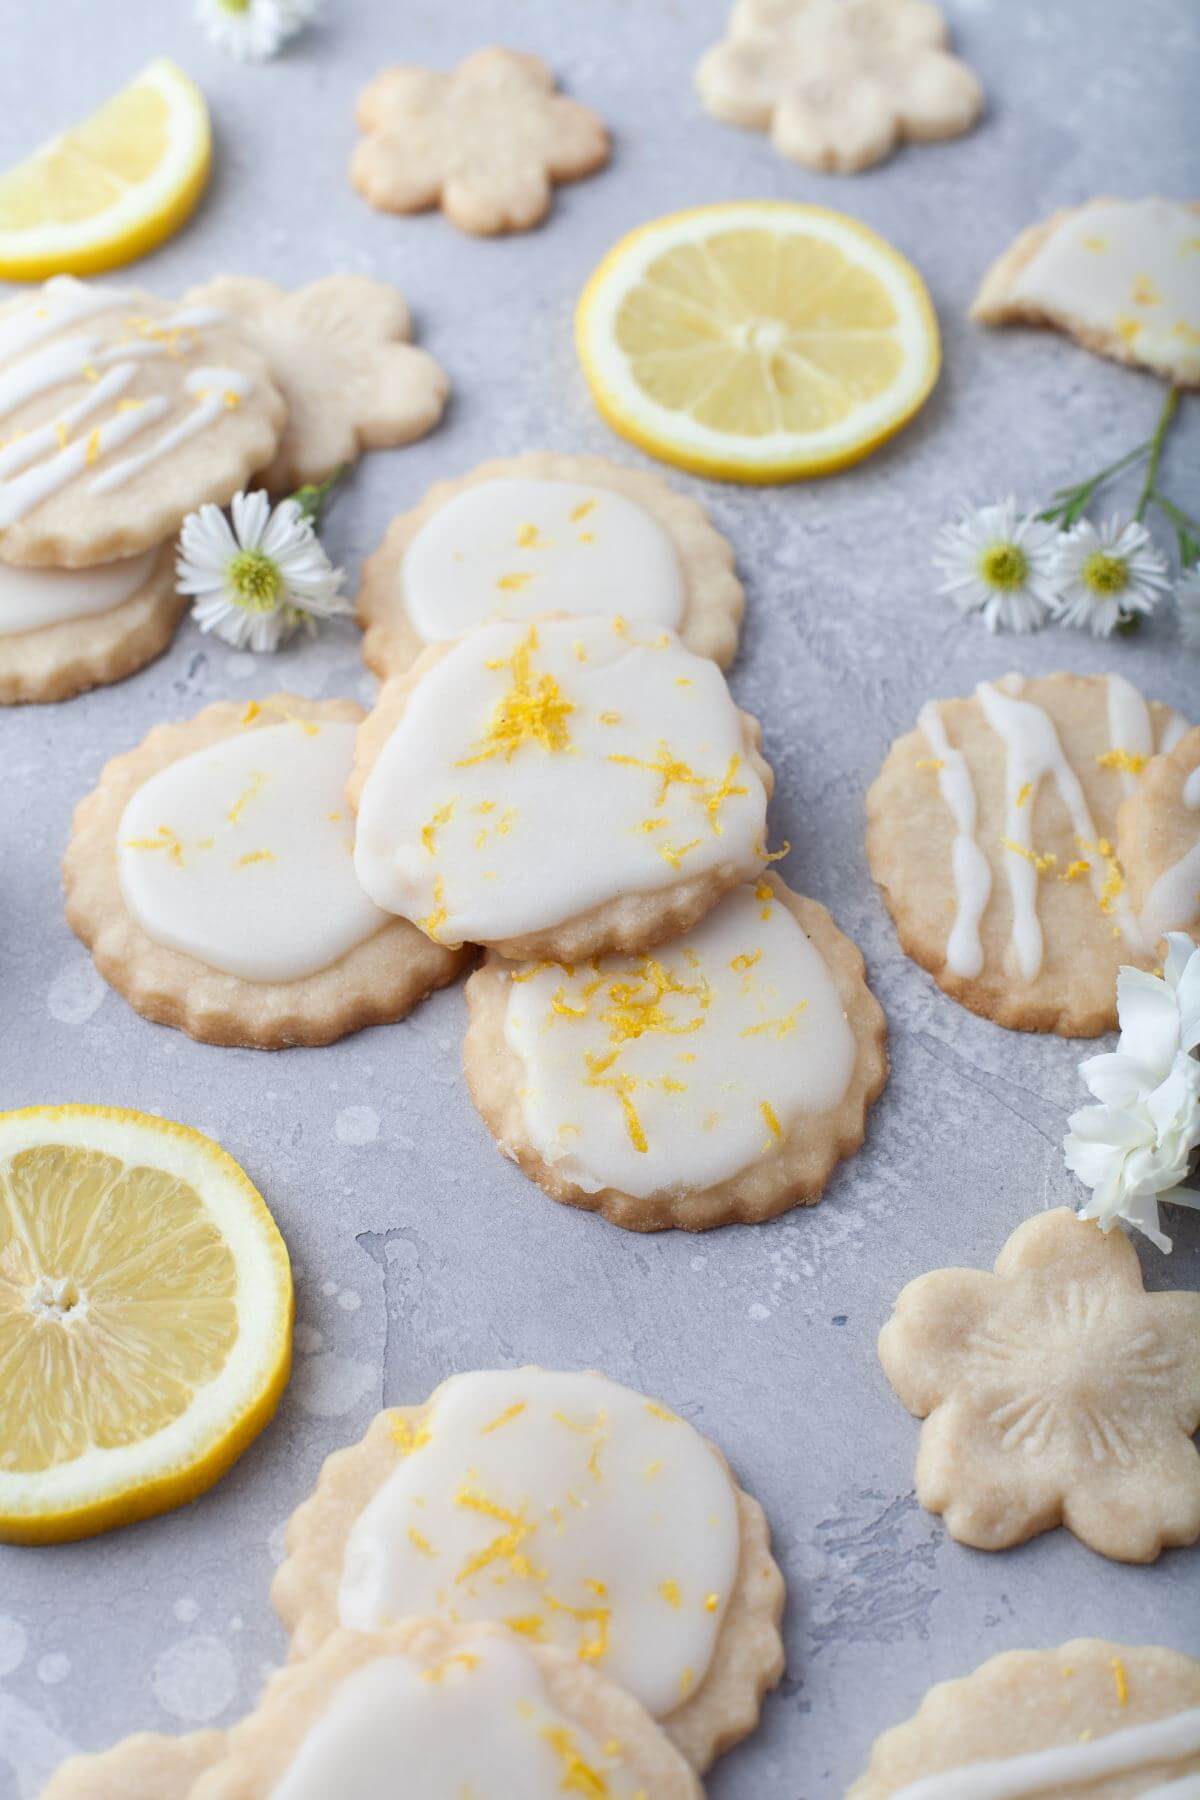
[148,1766]
[376,983]
[1156,831]
[748,1659]
[793,1174]
[716,600]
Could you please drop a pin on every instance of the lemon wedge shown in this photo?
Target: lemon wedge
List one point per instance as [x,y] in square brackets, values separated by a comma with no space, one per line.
[111,188]
[145,1318]
[757,341]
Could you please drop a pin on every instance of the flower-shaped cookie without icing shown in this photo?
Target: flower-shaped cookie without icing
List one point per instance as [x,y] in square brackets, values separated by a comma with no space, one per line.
[1056,1391]
[339,353]
[486,142]
[839,83]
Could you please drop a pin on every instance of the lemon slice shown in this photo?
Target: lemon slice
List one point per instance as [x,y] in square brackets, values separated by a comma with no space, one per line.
[145,1318]
[111,188]
[757,341]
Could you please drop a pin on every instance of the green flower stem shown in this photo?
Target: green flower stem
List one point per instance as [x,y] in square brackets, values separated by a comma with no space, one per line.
[311,499]
[1071,501]
[1150,484]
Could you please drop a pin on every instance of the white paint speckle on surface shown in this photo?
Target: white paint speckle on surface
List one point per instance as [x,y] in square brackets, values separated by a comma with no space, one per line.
[348,1300]
[356,1125]
[328,1386]
[276,1547]
[186,1610]
[13,1644]
[195,1680]
[30,1747]
[307,1340]
[53,1668]
[758,1311]
[76,992]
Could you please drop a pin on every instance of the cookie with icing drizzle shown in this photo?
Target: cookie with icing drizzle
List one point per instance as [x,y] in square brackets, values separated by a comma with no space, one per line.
[558,789]
[1122,277]
[573,1511]
[542,533]
[719,1077]
[1159,842]
[120,413]
[1092,1718]
[992,832]
[461,1709]
[211,875]
[63,631]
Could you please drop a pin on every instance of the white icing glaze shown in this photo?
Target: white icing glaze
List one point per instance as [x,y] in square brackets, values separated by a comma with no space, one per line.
[516,548]
[1045,1772]
[1173,903]
[541,770]
[35,358]
[480,1724]
[675,1070]
[972,871]
[1130,729]
[1129,267]
[33,598]
[240,854]
[589,1515]
[1175,726]
[1032,752]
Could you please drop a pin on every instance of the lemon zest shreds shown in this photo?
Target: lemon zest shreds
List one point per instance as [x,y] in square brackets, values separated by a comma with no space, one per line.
[661,1412]
[779,1028]
[441,815]
[675,853]
[764,893]
[258,781]
[163,839]
[461,1659]
[593,1648]
[1075,869]
[1129,761]
[1121,1680]
[420,1542]
[772,1123]
[505,1547]
[406,1436]
[721,791]
[512,584]
[530,1625]
[1024,792]
[255,856]
[533,711]
[624,1087]
[432,923]
[578,1776]
[1042,863]
[510,1412]
[669,1590]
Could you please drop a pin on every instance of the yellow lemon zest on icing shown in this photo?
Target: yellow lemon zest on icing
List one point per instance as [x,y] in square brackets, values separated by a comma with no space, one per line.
[578,1776]
[253,709]
[587,537]
[670,770]
[771,1121]
[511,584]
[653,824]
[667,1084]
[420,1543]
[92,449]
[765,893]
[439,1671]
[1023,792]
[528,974]
[624,1087]
[620,625]
[636,1005]
[684,681]
[561,1007]
[90,372]
[770,856]
[1127,329]
[1145,293]
[610,718]
[653,1468]
[1128,760]
[62,434]
[671,1593]
[722,791]
[432,923]
[582,510]
[255,856]
[510,1412]
[406,1436]
[779,1028]
[1121,1680]
[581,650]
[534,710]
[675,853]
[711,1602]
[687,1681]
[505,1547]
[530,1625]
[1075,869]
[441,815]
[742,965]
[530,538]
[485,806]
[593,1648]
[1043,864]
[930,762]
[231,398]
[258,781]
[164,839]
[661,1412]
[128,406]
[1095,244]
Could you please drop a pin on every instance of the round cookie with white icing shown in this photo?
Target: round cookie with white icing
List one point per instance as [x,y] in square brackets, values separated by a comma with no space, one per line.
[211,875]
[1122,277]
[1159,842]
[991,830]
[63,631]
[558,789]
[719,1077]
[149,1766]
[1096,1719]
[119,413]
[574,1511]
[545,533]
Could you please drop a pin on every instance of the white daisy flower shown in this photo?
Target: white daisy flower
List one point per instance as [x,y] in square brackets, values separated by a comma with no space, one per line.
[997,561]
[254,582]
[252,30]
[1187,599]
[1138,1145]
[1105,575]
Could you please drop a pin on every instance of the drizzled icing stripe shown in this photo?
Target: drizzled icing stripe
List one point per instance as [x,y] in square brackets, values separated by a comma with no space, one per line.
[214,390]
[1047,1771]
[1130,731]
[1173,903]
[1033,751]
[972,871]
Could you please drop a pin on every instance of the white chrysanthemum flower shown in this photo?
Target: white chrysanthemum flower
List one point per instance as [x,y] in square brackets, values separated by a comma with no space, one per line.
[1107,574]
[1187,599]
[1137,1146]
[254,582]
[252,30]
[998,562]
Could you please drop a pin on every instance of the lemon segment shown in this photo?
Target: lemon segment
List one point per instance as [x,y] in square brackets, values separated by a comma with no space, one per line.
[111,188]
[757,341]
[145,1318]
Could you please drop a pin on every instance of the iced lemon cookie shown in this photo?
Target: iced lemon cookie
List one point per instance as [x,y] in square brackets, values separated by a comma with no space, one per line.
[1121,276]
[719,1077]
[486,143]
[146,1767]
[1159,842]
[574,1511]
[340,355]
[1054,1392]
[65,630]
[548,533]
[839,84]
[1105,1721]
[119,413]
[991,830]
[558,789]
[211,875]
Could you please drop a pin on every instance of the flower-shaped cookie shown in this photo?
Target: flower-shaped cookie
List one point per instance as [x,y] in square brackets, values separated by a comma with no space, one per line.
[1056,1391]
[339,353]
[839,83]
[486,142]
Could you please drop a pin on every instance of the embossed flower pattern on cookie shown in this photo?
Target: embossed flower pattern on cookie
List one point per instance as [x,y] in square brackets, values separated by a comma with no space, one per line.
[486,142]
[1054,1391]
[839,83]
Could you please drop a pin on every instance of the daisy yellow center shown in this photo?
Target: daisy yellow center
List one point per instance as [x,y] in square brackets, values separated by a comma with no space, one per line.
[1004,566]
[236,6]
[254,582]
[1106,575]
